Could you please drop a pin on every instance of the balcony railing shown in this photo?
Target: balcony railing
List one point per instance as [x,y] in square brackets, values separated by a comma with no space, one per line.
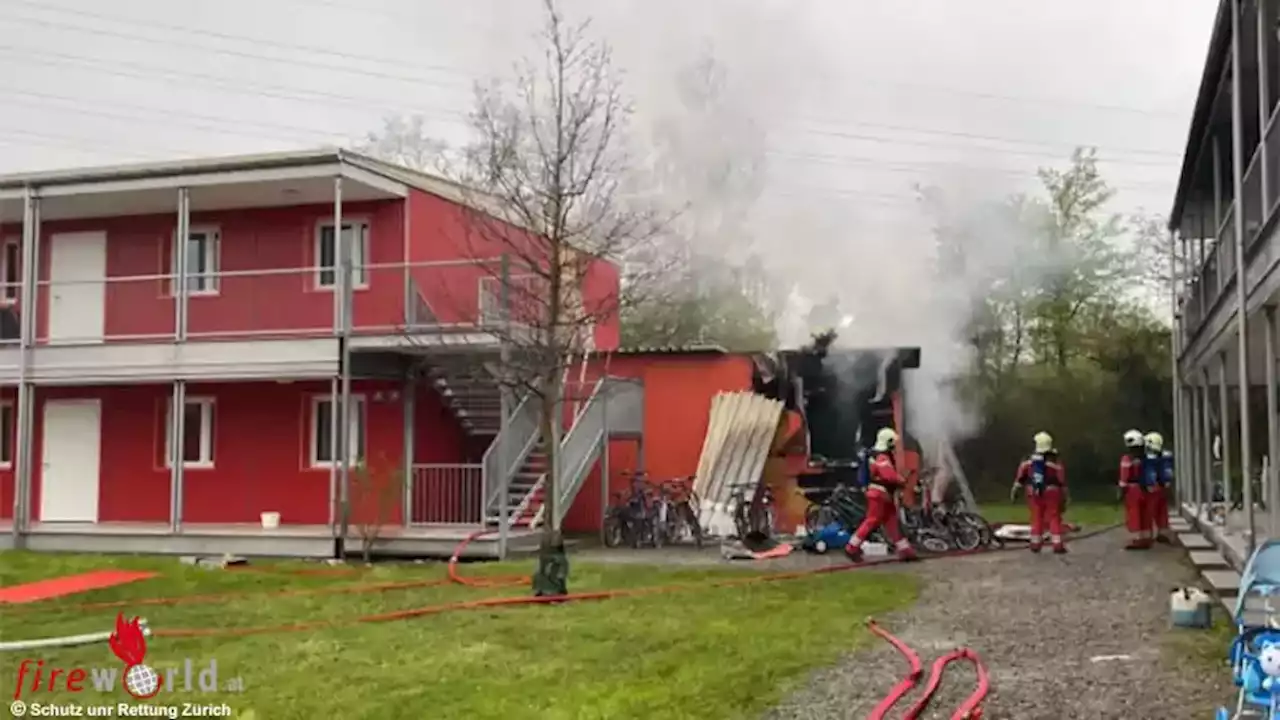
[446,494]
[1271,148]
[1252,201]
[1224,250]
[289,302]
[1257,205]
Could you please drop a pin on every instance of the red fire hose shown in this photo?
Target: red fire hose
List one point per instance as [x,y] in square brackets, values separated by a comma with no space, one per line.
[970,709]
[492,582]
[907,682]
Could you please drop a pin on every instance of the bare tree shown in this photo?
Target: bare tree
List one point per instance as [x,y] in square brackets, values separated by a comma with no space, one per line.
[556,201]
[404,140]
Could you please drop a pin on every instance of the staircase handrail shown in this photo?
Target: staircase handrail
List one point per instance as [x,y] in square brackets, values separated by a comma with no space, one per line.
[510,447]
[579,447]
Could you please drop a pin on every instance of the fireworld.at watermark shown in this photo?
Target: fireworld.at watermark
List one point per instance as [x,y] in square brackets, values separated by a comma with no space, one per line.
[139,680]
[20,709]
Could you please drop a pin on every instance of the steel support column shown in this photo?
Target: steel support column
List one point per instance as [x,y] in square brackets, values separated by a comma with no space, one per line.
[1238,161]
[177,430]
[1264,30]
[333,455]
[1193,461]
[408,400]
[1273,431]
[344,278]
[507,407]
[1206,421]
[177,420]
[1175,342]
[178,281]
[1224,430]
[24,413]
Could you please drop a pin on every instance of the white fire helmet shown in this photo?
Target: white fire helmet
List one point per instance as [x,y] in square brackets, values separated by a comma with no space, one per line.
[1044,442]
[1133,438]
[886,439]
[1154,442]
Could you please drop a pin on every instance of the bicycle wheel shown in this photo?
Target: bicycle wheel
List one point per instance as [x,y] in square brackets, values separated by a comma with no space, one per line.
[978,523]
[933,541]
[615,532]
[741,525]
[765,521]
[966,536]
[637,528]
[695,528]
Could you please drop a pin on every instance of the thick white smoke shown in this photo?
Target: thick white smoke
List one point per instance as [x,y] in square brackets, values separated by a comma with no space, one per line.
[731,163]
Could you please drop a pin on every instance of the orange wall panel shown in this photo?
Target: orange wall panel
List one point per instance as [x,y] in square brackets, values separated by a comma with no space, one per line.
[677,402]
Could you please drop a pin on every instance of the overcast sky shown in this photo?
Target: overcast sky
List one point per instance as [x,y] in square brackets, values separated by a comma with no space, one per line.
[861,97]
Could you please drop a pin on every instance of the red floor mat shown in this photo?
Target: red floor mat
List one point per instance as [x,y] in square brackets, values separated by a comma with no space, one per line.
[71,584]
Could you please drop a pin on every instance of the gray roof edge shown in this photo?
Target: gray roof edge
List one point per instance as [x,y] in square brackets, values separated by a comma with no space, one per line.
[171,168]
[1215,60]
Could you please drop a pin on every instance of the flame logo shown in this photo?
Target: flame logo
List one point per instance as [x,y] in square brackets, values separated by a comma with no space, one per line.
[127,642]
[130,645]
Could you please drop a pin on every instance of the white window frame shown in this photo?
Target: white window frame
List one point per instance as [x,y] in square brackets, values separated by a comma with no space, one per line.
[10,292]
[205,462]
[212,259]
[360,273]
[357,434]
[8,409]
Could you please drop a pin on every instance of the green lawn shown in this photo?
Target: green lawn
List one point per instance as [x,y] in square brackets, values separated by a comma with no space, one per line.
[1088,514]
[1203,653]
[697,653]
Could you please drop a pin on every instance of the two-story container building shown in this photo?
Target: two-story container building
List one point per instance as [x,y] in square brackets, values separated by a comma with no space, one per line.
[1223,224]
[325,312]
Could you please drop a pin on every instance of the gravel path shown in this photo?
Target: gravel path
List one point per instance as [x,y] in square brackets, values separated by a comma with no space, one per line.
[1043,625]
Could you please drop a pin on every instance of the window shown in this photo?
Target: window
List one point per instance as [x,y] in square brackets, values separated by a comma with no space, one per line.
[197,434]
[356,233]
[11,271]
[6,435]
[202,261]
[322,427]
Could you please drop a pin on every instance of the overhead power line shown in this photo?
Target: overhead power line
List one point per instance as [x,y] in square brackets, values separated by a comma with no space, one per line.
[457,72]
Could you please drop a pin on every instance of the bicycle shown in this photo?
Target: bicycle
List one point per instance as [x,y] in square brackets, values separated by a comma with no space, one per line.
[678,511]
[934,528]
[631,518]
[841,504]
[748,514]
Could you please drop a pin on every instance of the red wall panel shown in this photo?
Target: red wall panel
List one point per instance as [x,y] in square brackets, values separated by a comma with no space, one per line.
[261,447]
[278,242]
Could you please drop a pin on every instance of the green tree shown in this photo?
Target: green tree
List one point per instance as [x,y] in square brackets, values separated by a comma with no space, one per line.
[1063,340]
[1081,258]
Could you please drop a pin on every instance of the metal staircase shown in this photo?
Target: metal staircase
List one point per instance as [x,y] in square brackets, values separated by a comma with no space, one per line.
[524,494]
[580,448]
[474,399]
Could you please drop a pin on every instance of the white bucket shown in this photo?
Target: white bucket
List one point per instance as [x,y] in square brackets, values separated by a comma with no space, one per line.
[270,520]
[875,549]
[1190,607]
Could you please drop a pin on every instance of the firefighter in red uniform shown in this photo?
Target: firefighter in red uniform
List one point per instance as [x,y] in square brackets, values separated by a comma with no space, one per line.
[1161,462]
[1044,480]
[883,487]
[1137,516]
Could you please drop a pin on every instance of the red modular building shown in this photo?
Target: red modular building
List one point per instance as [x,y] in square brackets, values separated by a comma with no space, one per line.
[272,346]
[321,400]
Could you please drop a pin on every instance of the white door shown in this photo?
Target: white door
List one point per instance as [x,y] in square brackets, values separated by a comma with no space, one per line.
[77,287]
[71,460]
